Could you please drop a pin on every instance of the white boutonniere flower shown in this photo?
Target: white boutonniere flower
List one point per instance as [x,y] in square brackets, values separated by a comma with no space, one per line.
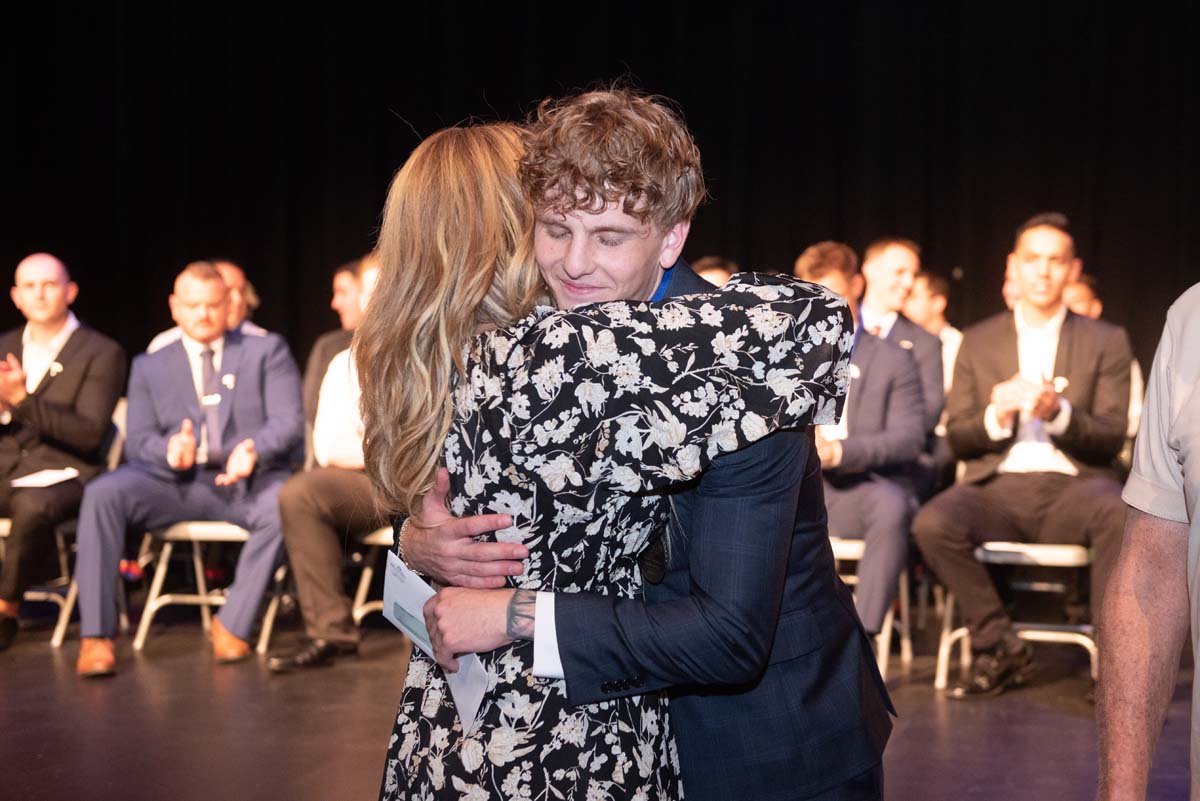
[55,368]
[855,372]
[1061,384]
[228,380]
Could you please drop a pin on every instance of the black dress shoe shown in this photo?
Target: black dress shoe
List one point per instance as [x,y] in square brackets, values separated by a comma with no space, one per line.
[8,631]
[996,670]
[317,653]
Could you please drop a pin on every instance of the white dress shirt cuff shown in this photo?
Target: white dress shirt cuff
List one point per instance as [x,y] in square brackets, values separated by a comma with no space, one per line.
[1058,426]
[547,664]
[991,422]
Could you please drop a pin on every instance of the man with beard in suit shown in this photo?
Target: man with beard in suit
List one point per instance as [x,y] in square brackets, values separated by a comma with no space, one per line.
[1037,412]
[59,382]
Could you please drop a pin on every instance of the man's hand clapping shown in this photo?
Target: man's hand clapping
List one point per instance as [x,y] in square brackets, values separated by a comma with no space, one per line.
[12,382]
[181,448]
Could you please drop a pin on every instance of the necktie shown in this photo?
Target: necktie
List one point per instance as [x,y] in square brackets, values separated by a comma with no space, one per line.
[210,403]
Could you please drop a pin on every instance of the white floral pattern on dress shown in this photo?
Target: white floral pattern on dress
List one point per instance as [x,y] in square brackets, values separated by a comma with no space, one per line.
[571,422]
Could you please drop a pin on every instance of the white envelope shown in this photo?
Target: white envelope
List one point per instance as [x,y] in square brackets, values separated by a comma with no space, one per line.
[404,597]
[46,478]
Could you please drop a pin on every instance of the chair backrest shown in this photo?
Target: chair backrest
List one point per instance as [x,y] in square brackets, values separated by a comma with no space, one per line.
[117,445]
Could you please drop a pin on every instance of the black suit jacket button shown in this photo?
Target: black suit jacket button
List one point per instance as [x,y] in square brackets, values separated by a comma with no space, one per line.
[606,687]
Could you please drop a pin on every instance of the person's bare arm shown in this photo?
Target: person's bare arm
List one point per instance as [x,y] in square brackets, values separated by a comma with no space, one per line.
[441,546]
[1144,624]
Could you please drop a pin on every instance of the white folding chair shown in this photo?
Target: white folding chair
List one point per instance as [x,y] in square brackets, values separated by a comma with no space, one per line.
[378,541]
[847,550]
[199,533]
[1028,555]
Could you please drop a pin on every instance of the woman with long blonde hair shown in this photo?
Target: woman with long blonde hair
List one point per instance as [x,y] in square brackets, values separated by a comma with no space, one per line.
[569,421]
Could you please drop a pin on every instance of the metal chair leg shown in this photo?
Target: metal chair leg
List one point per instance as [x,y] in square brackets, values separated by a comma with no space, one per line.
[160,573]
[906,648]
[268,624]
[201,585]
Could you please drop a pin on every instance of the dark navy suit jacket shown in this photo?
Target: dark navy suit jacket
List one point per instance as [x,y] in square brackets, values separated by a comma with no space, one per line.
[260,400]
[776,690]
[927,352]
[884,418]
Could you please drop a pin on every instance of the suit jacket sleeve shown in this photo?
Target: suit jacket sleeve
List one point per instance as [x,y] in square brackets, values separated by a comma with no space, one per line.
[903,431]
[722,632]
[969,398]
[82,427]
[145,439]
[284,427]
[1096,435]
[928,352]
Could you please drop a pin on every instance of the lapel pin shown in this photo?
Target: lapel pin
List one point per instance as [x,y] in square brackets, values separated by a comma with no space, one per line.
[55,368]
[906,344]
[854,371]
[1061,384]
[228,380]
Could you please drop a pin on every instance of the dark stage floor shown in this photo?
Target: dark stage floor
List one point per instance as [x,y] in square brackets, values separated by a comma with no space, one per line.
[172,725]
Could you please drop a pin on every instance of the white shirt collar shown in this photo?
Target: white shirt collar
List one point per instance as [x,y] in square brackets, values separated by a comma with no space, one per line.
[883,322]
[1051,328]
[55,345]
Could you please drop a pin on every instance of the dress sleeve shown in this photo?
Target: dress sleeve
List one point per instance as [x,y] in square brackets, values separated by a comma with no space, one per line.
[644,395]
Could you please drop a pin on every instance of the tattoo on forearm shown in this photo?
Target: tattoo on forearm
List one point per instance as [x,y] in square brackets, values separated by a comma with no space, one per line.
[521,610]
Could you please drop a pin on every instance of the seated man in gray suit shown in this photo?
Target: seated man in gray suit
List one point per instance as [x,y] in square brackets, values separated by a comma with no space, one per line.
[868,457]
[214,425]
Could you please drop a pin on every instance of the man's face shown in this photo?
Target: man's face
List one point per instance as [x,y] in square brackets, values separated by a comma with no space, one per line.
[1079,299]
[235,279]
[890,274]
[42,291]
[590,257]
[345,300]
[200,308]
[922,307]
[1044,262]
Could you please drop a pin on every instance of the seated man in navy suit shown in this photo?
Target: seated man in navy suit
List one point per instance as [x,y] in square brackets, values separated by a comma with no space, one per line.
[869,456]
[59,382]
[775,690]
[215,423]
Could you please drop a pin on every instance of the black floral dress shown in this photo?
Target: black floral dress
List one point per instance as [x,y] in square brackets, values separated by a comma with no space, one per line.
[572,422]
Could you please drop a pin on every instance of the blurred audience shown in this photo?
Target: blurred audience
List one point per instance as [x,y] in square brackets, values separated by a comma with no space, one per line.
[867,458]
[215,420]
[1037,412]
[890,267]
[716,270]
[242,302]
[926,306]
[1081,297]
[324,507]
[59,383]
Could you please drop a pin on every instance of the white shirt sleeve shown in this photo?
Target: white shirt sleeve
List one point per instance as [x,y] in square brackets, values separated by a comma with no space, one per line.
[547,663]
[991,422]
[338,428]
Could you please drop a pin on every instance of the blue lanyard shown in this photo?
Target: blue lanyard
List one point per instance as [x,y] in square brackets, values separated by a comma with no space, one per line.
[664,284]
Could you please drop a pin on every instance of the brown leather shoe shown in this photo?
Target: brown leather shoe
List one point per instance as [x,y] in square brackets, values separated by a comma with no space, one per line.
[96,658]
[226,647]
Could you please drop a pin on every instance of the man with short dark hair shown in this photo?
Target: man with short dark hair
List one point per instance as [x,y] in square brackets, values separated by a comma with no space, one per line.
[890,267]
[1037,413]
[214,426]
[59,383]
[324,507]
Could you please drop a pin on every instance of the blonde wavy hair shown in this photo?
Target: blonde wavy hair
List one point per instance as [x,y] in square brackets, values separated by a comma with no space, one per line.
[455,258]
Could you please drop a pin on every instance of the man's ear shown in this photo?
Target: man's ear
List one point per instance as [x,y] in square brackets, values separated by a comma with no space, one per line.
[72,292]
[673,242]
[939,304]
[856,288]
[12,293]
[1076,270]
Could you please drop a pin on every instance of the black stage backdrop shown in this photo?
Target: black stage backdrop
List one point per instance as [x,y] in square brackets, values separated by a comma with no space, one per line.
[142,139]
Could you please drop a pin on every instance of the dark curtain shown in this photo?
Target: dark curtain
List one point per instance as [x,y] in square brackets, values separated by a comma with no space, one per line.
[140,139]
